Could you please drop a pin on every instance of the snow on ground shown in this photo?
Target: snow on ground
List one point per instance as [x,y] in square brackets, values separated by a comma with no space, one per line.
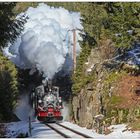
[15,128]
[117,132]
[39,130]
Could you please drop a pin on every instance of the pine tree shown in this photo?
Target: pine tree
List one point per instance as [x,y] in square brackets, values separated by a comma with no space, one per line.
[124,23]
[10,27]
[8,88]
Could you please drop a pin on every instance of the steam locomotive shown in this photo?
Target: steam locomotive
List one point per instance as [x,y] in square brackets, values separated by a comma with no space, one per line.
[46,102]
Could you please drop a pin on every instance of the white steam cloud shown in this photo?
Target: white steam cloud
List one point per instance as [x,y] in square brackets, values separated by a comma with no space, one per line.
[45,41]
[23,110]
[65,112]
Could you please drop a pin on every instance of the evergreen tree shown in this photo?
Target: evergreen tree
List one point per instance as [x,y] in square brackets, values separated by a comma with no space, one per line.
[8,88]
[10,27]
[124,22]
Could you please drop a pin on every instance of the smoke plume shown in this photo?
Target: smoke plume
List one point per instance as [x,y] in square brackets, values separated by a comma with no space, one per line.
[65,112]
[46,40]
[23,110]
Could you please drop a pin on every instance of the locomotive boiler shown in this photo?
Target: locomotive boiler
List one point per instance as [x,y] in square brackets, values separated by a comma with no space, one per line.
[46,102]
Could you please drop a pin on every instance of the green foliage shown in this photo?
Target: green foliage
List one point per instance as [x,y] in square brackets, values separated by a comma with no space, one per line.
[10,28]
[110,81]
[23,6]
[123,17]
[115,100]
[93,17]
[123,115]
[79,78]
[8,88]
[114,76]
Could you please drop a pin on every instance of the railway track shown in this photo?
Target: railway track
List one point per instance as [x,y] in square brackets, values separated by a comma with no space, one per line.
[66,132]
[58,131]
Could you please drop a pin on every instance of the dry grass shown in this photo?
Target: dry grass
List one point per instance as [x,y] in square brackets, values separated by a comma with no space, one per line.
[135,125]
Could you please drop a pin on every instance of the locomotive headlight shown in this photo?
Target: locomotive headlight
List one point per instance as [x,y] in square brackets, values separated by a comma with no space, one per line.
[60,100]
[39,101]
[47,99]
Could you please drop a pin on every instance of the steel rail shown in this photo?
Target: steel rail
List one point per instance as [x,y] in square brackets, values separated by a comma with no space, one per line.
[59,132]
[79,133]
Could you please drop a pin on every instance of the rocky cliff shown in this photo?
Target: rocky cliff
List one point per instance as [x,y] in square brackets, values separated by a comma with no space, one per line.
[111,97]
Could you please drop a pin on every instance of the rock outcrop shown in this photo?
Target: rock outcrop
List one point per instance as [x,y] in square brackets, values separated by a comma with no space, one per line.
[104,95]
